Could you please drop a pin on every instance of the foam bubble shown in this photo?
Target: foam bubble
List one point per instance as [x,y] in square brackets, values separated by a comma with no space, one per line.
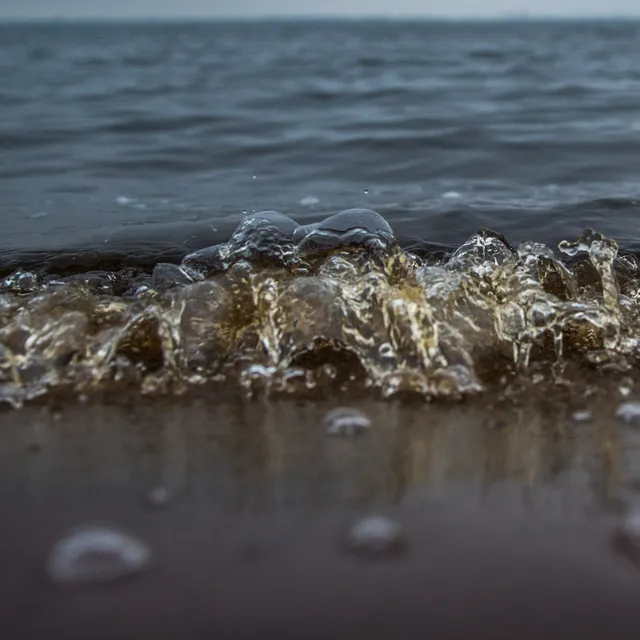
[96,554]
[345,421]
[376,537]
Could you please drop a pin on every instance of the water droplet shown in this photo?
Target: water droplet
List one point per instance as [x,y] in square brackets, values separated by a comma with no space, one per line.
[254,177]
[158,497]
[309,201]
[624,391]
[376,537]
[123,200]
[629,411]
[582,415]
[345,421]
[386,350]
[451,195]
[96,554]
[366,192]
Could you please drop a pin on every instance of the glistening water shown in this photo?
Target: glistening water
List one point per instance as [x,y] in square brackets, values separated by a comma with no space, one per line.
[488,172]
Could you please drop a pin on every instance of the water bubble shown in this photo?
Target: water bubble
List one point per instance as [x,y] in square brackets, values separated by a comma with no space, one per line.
[158,497]
[451,195]
[376,537]
[629,411]
[96,554]
[482,252]
[582,415]
[345,421]
[265,234]
[386,350]
[20,282]
[206,261]
[350,228]
[366,192]
[254,177]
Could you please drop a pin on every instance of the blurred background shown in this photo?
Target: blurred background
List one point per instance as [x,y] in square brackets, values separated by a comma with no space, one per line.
[134,121]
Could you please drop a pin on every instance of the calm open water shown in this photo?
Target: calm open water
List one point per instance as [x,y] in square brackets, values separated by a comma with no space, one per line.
[126,135]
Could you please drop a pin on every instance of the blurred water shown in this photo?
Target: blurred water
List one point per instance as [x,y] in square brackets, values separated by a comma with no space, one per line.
[125,134]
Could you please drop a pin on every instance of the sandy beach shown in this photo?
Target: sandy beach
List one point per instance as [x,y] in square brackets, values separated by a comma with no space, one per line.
[509,513]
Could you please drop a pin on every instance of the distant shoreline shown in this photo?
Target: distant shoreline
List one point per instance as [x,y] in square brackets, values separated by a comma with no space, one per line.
[514,18]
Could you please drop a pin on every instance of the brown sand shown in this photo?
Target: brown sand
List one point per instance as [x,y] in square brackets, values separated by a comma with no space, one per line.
[509,513]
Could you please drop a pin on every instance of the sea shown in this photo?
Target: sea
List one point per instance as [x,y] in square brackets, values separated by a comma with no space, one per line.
[449,205]
[333,324]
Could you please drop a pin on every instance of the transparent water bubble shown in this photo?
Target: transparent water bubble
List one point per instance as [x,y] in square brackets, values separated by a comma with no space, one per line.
[265,234]
[386,350]
[481,253]
[20,282]
[345,421]
[376,537]
[96,553]
[207,261]
[350,228]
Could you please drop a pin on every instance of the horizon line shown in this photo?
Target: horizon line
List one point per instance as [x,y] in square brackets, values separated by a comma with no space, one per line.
[502,17]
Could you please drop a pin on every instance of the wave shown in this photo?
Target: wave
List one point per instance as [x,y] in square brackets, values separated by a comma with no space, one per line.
[288,308]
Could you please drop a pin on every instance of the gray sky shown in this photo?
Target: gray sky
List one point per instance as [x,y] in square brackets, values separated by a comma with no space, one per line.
[248,8]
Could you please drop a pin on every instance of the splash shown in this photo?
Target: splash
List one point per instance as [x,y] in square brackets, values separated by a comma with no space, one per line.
[283,308]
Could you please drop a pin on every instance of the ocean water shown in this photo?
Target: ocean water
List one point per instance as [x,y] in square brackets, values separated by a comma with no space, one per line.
[487,149]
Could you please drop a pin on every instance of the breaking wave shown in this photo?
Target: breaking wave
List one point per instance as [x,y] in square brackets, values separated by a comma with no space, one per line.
[285,308]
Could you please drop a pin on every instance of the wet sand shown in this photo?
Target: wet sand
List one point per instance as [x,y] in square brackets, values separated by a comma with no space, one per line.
[509,513]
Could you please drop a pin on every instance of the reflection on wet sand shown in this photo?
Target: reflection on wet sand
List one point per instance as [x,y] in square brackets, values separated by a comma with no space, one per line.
[277,455]
[268,521]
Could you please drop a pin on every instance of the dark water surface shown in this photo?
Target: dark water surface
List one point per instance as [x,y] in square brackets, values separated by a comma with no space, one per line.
[111,131]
